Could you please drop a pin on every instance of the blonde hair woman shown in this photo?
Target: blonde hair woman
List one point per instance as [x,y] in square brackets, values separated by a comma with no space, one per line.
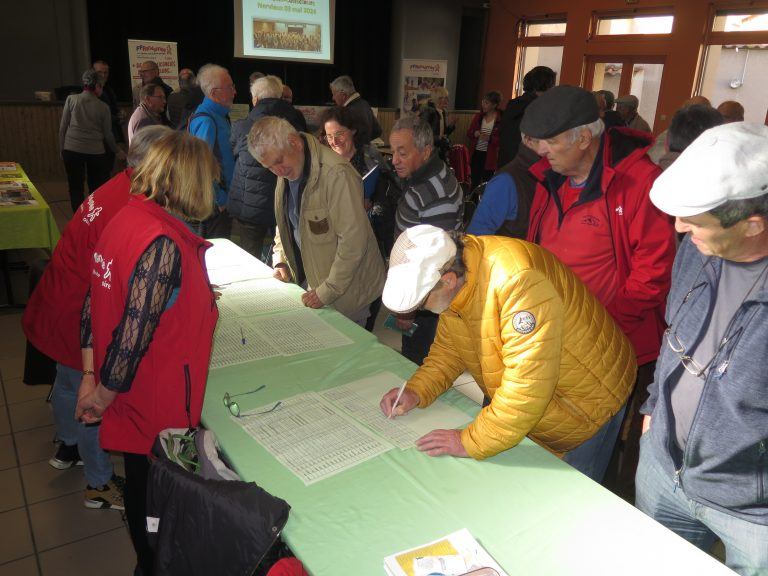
[149,317]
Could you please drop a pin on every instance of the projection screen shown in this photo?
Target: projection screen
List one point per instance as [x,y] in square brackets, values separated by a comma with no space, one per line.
[299,30]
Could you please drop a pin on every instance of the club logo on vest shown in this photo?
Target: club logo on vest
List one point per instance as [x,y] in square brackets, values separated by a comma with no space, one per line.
[620,210]
[93,210]
[590,220]
[524,322]
[102,269]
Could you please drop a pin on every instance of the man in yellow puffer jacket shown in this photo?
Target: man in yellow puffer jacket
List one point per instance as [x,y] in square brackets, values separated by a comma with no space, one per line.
[547,355]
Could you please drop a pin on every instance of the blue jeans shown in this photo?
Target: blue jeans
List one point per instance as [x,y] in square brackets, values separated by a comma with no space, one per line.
[746,543]
[591,458]
[96,462]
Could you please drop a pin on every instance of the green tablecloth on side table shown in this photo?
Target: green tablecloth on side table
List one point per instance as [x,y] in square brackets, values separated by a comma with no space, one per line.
[533,513]
[27,226]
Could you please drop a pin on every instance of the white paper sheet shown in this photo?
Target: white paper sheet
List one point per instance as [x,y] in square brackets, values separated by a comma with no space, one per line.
[229,348]
[360,399]
[256,297]
[311,438]
[460,542]
[299,331]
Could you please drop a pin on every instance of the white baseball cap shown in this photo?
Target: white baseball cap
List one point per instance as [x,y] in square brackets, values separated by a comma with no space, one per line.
[418,256]
[727,162]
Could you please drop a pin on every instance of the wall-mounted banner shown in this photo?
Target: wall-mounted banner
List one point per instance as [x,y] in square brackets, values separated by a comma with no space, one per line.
[419,78]
[164,53]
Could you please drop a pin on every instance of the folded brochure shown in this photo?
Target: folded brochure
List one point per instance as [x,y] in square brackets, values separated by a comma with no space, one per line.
[453,555]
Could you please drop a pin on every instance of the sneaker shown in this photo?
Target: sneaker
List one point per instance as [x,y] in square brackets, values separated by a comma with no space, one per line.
[109,496]
[66,457]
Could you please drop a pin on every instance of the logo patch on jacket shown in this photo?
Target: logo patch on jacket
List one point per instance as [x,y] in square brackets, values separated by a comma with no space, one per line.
[590,220]
[524,322]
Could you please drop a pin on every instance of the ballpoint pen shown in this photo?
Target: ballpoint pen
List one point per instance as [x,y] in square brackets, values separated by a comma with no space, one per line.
[397,399]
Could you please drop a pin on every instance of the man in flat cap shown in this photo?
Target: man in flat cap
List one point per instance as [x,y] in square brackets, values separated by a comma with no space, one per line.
[703,468]
[591,209]
[551,362]
[627,106]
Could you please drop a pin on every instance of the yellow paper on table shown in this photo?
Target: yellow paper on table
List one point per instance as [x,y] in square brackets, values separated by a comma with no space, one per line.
[459,543]
[439,548]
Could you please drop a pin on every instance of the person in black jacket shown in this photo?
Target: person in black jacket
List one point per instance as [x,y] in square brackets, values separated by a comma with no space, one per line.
[109,98]
[344,94]
[252,193]
[182,104]
[537,80]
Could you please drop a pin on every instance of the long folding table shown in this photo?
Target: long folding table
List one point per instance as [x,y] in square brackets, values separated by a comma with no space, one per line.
[533,513]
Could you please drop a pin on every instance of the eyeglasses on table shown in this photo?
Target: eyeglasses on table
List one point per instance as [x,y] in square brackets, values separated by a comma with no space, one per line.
[234,407]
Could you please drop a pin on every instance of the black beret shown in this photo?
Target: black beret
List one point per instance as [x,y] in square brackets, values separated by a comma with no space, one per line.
[557,110]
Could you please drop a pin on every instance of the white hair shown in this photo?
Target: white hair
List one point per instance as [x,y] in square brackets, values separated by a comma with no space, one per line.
[270,133]
[343,84]
[207,77]
[595,128]
[267,87]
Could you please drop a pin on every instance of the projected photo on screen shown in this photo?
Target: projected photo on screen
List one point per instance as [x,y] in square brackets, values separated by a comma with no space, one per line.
[299,30]
[286,36]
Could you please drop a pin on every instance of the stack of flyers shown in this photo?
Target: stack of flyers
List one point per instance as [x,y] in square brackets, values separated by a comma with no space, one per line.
[15,194]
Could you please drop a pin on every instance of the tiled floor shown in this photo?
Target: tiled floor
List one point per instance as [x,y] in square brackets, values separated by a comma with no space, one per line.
[44,528]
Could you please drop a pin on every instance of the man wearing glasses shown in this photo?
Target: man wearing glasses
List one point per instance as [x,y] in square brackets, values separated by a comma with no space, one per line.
[149,112]
[703,468]
[149,72]
[210,122]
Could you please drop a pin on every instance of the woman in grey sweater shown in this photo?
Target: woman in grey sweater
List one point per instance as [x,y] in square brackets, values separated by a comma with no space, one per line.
[86,126]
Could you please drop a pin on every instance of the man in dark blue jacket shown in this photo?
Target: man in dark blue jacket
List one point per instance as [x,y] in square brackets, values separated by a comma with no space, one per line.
[703,469]
[252,194]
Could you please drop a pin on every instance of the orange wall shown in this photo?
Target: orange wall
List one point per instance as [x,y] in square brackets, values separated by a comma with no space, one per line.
[681,48]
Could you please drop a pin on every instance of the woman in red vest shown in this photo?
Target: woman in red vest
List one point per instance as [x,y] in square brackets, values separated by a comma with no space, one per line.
[147,267]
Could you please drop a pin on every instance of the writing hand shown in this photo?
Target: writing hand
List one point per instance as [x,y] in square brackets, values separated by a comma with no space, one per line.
[408,401]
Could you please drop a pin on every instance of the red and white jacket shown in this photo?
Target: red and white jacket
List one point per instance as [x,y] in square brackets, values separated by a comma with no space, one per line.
[169,385]
[51,320]
[643,237]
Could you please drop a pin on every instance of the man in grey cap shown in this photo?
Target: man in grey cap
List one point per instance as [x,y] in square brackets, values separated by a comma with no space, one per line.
[627,106]
[703,468]
[591,209]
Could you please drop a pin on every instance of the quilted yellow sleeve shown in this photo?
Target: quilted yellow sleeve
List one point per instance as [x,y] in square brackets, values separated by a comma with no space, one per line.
[531,330]
[440,368]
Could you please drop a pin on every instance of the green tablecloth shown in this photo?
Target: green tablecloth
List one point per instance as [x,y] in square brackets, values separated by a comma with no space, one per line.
[27,226]
[533,513]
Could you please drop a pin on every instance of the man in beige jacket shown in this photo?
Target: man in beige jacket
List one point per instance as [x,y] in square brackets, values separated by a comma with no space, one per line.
[324,240]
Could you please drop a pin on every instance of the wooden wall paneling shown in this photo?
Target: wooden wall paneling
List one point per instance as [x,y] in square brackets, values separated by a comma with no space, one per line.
[30,135]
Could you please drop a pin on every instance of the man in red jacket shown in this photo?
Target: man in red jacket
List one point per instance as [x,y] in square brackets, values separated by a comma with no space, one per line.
[51,322]
[592,210]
